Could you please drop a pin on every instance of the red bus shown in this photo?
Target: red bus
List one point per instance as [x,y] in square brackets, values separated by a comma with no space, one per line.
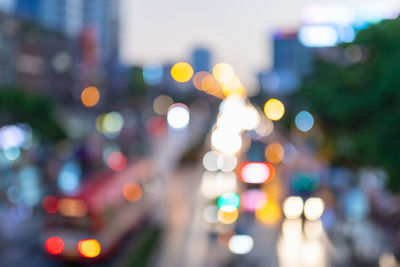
[92,222]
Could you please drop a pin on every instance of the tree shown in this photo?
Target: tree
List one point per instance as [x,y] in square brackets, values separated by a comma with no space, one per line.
[358,104]
[18,106]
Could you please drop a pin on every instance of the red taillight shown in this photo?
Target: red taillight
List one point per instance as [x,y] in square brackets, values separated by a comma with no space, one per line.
[54,245]
[50,204]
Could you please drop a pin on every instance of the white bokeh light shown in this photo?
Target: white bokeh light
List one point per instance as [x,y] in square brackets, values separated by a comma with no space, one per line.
[241,244]
[313,208]
[226,142]
[293,207]
[178,116]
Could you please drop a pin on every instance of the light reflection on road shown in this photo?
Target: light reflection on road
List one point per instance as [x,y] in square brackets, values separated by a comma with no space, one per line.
[303,244]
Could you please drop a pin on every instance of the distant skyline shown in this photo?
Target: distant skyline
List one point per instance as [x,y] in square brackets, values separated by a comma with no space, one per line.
[235,31]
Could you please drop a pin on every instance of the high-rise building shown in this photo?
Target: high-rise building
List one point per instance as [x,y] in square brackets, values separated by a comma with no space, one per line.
[290,55]
[291,61]
[72,17]
[201,59]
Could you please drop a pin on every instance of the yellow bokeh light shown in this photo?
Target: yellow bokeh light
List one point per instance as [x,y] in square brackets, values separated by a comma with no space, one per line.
[274,189]
[223,72]
[274,153]
[269,214]
[233,87]
[181,72]
[89,248]
[112,122]
[132,192]
[274,109]
[90,96]
[227,217]
[99,122]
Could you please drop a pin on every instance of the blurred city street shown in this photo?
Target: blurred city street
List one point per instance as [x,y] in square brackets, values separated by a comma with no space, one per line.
[187,134]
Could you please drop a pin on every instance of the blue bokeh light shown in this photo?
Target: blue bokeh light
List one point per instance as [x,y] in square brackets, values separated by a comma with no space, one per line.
[304,121]
[152,73]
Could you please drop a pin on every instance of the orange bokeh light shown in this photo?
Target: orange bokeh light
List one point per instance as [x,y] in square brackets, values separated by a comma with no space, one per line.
[90,96]
[274,153]
[132,192]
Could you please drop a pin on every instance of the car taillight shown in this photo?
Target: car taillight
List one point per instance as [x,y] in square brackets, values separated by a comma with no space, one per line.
[50,204]
[89,248]
[54,245]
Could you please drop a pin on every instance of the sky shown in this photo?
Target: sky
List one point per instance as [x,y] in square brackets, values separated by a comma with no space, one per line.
[235,31]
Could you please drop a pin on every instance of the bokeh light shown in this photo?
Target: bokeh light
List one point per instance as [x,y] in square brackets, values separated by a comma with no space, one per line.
[265,127]
[13,136]
[132,192]
[274,153]
[356,205]
[274,109]
[211,86]
[152,73]
[99,122]
[210,214]
[226,142]
[198,78]
[241,244]
[156,126]
[304,121]
[227,163]
[50,204]
[90,96]
[71,207]
[318,35]
[69,177]
[12,153]
[213,161]
[227,216]
[54,245]
[353,54]
[256,172]
[269,214]
[223,72]
[233,87]
[181,72]
[178,117]
[253,199]
[251,119]
[161,104]
[116,161]
[112,123]
[89,248]
[214,184]
[293,207]
[210,161]
[313,208]
[228,201]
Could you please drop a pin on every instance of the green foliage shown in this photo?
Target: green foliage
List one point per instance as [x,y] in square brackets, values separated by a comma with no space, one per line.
[142,255]
[358,105]
[18,106]
[138,85]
